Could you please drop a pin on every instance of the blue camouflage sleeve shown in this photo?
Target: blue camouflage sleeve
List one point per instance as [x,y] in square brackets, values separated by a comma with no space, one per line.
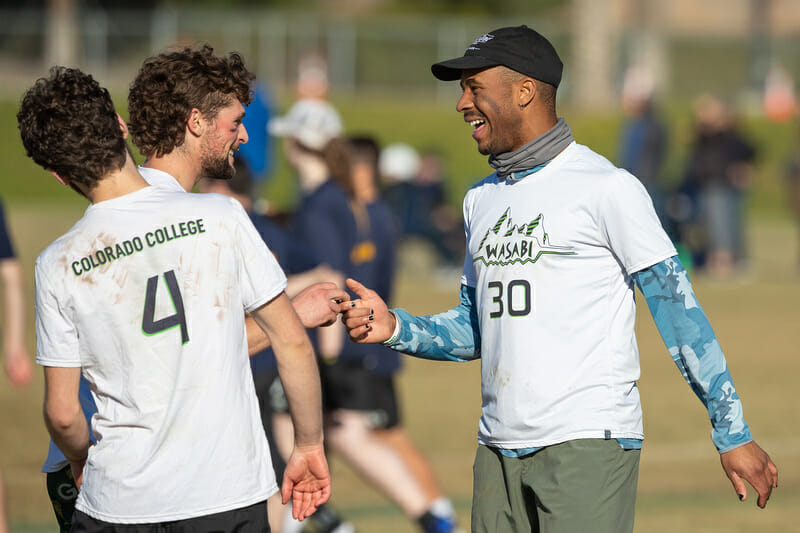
[687,333]
[450,336]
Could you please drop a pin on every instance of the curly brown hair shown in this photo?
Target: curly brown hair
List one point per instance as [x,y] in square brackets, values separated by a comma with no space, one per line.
[68,125]
[171,84]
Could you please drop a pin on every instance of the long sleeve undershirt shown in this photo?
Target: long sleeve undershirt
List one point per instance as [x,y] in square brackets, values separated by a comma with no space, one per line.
[455,336]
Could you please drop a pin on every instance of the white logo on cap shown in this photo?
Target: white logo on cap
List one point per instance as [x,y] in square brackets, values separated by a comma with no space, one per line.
[485,38]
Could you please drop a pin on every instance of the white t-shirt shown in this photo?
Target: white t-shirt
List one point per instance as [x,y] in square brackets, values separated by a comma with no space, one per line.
[147,293]
[55,458]
[550,257]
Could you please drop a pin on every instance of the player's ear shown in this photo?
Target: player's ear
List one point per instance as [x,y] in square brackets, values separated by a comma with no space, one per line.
[62,181]
[526,92]
[123,126]
[195,123]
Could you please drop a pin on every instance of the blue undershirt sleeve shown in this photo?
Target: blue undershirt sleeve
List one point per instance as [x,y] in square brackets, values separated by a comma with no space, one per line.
[693,346]
[450,336]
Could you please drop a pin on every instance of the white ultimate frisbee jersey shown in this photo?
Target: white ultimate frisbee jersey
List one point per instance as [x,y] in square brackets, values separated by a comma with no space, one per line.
[550,257]
[148,293]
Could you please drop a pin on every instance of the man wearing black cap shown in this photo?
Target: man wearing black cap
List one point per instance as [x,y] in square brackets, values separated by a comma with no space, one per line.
[556,239]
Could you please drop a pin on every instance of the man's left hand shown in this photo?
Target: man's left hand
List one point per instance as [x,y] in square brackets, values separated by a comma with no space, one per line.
[752,464]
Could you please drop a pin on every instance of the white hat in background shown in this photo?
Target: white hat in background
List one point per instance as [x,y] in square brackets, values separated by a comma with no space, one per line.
[312,122]
[399,161]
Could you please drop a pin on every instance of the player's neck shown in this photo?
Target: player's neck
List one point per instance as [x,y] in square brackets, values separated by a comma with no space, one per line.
[184,169]
[117,183]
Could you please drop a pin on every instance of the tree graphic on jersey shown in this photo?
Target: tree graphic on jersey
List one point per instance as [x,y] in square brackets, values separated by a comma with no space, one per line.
[506,243]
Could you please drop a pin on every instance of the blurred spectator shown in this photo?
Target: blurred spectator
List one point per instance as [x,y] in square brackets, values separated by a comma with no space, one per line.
[793,186]
[374,261]
[398,166]
[414,191]
[312,76]
[779,100]
[719,167]
[257,152]
[643,146]
[18,366]
[325,222]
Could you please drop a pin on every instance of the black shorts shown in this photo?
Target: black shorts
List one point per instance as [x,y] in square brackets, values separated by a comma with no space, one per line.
[63,492]
[348,385]
[252,519]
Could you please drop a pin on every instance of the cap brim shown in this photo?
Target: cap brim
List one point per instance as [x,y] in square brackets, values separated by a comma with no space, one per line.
[450,70]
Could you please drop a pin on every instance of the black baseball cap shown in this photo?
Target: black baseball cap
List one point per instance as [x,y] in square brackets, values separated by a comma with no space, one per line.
[518,48]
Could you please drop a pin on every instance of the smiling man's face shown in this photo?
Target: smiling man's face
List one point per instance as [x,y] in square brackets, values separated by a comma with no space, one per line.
[488,105]
[226,134]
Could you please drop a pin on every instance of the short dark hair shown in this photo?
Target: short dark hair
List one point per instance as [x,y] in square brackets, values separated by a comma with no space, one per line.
[68,125]
[364,149]
[546,91]
[171,84]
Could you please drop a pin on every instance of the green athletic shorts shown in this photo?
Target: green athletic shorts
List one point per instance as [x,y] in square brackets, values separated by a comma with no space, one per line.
[575,486]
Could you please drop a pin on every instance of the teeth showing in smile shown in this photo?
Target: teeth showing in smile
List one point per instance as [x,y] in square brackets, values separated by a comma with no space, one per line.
[475,123]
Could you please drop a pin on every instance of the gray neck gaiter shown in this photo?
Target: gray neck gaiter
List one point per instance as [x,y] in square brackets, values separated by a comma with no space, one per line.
[539,151]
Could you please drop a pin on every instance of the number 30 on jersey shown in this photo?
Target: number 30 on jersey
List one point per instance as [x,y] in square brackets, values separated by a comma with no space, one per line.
[512,298]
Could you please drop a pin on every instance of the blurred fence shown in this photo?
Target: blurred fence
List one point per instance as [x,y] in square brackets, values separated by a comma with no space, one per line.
[393,54]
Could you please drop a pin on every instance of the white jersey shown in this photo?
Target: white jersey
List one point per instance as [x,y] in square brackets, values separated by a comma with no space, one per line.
[55,458]
[147,293]
[550,257]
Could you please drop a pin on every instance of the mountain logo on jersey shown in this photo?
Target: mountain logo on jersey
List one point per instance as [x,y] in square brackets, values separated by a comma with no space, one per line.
[506,243]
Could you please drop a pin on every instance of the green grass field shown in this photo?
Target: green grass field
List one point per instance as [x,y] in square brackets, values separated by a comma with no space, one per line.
[682,486]
[681,483]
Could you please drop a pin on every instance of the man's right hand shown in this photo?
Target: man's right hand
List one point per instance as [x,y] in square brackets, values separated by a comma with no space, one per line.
[306,481]
[368,319]
[318,304]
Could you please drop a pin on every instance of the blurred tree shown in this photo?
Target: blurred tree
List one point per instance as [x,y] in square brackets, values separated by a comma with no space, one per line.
[507,7]
[82,4]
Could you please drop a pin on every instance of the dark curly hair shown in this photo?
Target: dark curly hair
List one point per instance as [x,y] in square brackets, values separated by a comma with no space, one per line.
[68,125]
[171,84]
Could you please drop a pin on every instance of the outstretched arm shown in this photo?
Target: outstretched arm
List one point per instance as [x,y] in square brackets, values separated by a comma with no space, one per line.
[450,336]
[693,345]
[306,480]
[316,305]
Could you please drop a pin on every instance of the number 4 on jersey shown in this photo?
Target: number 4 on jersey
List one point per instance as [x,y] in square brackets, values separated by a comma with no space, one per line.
[151,326]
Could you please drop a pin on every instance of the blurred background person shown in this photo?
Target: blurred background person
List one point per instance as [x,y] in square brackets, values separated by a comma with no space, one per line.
[374,259]
[643,143]
[398,165]
[719,167]
[793,189]
[257,153]
[413,188]
[325,221]
[17,364]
